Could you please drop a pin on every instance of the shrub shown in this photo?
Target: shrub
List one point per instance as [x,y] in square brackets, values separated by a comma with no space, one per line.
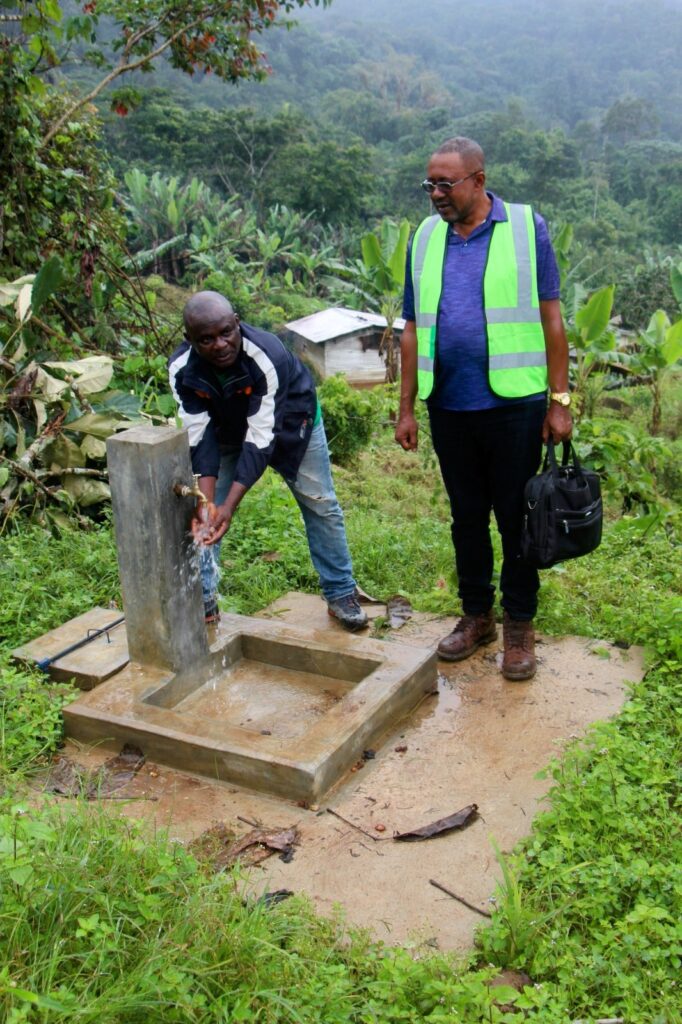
[636,467]
[349,418]
[31,725]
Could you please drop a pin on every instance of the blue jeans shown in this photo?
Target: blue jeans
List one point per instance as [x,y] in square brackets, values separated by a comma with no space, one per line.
[313,489]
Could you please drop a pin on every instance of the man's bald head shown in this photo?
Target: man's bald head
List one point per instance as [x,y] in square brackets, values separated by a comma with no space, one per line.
[205,307]
[212,328]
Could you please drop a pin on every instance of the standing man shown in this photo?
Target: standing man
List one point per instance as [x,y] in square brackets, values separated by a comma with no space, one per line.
[248,403]
[483,341]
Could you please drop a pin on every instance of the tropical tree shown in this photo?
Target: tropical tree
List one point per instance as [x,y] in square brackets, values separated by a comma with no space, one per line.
[383,256]
[590,341]
[332,180]
[163,214]
[659,348]
[213,36]
[646,288]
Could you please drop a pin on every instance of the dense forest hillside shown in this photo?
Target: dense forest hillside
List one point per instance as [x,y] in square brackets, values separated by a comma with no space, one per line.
[576,105]
[566,60]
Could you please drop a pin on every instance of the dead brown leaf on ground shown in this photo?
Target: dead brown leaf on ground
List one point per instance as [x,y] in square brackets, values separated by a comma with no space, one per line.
[220,848]
[460,819]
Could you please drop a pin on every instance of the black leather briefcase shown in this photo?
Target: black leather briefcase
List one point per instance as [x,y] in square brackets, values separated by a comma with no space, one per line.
[562,511]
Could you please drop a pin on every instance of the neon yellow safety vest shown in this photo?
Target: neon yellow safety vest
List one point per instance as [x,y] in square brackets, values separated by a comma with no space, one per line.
[517,361]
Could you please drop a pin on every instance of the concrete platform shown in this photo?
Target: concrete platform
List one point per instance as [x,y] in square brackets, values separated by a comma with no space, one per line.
[478,739]
[274,707]
[89,665]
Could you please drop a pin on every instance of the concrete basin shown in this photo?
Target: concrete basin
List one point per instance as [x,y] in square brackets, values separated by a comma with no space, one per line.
[272,707]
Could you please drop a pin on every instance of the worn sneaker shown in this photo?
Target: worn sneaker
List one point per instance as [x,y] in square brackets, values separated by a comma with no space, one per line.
[348,611]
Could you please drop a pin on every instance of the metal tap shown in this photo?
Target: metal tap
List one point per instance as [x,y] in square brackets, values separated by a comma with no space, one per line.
[185,491]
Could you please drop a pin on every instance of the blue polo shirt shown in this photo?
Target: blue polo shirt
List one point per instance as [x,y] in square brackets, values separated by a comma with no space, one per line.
[461,383]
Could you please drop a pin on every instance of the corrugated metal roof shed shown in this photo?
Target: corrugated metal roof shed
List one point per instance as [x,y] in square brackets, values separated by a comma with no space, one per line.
[338,322]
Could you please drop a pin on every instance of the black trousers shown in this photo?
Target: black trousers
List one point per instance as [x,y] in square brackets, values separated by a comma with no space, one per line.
[485,458]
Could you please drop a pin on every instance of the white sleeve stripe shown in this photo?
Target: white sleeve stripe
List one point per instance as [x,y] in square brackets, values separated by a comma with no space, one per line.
[176,365]
[196,423]
[261,426]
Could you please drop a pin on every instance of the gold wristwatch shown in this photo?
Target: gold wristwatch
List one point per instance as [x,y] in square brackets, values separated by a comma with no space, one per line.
[562,397]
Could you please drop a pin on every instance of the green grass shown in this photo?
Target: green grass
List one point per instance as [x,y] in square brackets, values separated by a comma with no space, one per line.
[601,876]
[101,922]
[100,925]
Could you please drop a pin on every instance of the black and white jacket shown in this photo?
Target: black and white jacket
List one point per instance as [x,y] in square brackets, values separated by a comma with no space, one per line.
[266,407]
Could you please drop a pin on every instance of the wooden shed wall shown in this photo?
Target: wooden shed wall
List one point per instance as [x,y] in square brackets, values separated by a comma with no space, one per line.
[357,358]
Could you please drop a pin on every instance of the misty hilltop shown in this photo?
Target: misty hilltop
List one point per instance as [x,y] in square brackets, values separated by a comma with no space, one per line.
[565,61]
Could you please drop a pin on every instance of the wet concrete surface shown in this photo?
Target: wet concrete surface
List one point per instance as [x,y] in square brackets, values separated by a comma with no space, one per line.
[477,739]
[256,696]
[274,706]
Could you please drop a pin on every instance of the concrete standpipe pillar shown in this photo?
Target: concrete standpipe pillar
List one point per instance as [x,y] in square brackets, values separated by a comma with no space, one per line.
[158,561]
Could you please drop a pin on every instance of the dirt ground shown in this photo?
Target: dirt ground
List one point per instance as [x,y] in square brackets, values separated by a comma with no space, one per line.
[477,740]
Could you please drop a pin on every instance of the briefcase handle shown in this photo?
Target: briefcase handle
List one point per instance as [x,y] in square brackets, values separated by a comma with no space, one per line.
[567,454]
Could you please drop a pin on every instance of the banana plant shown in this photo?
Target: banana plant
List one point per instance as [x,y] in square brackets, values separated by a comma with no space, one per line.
[659,348]
[312,268]
[383,258]
[295,229]
[590,342]
[163,213]
[222,239]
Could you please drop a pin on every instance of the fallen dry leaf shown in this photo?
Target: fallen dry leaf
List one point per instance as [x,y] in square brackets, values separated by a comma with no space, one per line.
[66,778]
[513,979]
[460,819]
[220,848]
[117,771]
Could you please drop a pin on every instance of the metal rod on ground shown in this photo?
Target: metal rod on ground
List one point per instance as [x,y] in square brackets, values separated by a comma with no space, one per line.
[375,839]
[45,663]
[460,899]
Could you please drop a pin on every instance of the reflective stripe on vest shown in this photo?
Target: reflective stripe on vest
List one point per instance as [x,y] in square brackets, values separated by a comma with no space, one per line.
[517,362]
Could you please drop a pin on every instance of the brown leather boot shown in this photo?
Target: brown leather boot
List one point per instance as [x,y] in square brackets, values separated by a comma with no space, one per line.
[518,662]
[470,632]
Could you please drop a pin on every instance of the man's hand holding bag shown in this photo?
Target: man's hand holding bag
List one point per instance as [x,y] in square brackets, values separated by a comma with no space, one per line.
[562,511]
